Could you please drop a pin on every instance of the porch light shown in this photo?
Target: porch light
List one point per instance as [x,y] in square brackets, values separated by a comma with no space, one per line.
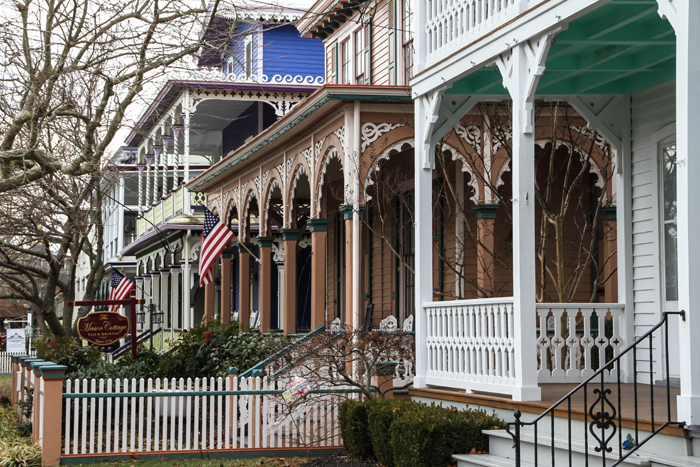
[141,315]
[157,316]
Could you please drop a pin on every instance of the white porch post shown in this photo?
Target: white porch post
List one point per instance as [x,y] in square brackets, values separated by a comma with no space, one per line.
[688,169]
[423,180]
[521,72]
[174,302]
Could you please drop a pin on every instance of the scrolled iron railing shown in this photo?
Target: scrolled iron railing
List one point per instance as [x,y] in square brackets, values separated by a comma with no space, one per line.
[603,418]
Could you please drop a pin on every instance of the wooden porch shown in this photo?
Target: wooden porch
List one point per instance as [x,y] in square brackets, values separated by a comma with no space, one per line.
[551,393]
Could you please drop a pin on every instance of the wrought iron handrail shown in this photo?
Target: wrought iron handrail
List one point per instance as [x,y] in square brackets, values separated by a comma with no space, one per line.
[603,420]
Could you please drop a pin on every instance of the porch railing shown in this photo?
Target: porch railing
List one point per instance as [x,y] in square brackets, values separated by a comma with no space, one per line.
[470,344]
[574,340]
[451,24]
[603,436]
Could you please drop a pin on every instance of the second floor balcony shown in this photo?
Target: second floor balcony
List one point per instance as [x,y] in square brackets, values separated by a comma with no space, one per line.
[180,201]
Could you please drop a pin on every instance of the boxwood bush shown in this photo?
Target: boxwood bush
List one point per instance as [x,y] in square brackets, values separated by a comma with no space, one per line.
[431,435]
[402,433]
[354,429]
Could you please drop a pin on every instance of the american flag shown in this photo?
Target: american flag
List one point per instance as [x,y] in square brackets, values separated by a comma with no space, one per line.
[121,287]
[215,236]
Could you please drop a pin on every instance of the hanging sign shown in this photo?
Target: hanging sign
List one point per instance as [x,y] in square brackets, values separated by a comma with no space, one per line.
[103,327]
[16,341]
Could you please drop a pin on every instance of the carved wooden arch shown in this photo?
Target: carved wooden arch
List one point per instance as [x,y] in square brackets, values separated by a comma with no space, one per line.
[299,167]
[231,203]
[214,205]
[401,146]
[330,152]
[329,142]
[274,180]
[250,194]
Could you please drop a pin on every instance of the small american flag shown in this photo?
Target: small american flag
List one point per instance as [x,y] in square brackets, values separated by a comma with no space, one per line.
[215,236]
[121,287]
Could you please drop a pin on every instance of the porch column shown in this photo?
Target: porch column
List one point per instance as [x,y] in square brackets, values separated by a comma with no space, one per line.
[609,218]
[244,284]
[520,76]
[174,292]
[485,222]
[225,312]
[423,181]
[319,232]
[155,289]
[346,210]
[147,292]
[138,281]
[209,299]
[688,190]
[164,296]
[266,267]
[290,238]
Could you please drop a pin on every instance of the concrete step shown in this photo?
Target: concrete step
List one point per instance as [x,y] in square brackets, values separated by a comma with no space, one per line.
[501,445]
[486,460]
[674,461]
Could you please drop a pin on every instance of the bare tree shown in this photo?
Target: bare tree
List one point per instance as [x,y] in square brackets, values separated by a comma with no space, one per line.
[71,69]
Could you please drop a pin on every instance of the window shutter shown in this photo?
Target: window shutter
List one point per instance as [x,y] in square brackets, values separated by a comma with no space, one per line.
[332,59]
[392,43]
[368,51]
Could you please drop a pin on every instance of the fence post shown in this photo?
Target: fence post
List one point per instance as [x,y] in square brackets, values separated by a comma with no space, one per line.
[383,378]
[35,374]
[233,376]
[14,368]
[25,378]
[256,377]
[52,416]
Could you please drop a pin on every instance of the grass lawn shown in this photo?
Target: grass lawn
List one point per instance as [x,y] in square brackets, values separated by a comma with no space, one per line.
[160,462]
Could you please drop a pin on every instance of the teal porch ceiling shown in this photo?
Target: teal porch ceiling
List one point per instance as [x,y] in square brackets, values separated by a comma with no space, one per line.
[620,47]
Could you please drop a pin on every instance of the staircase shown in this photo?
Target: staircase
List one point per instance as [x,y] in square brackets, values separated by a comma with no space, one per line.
[606,430]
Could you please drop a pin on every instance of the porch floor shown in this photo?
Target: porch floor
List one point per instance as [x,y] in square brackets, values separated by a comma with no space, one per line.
[552,393]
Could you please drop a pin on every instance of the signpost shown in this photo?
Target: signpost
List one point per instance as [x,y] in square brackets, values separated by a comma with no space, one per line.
[96,328]
[103,327]
[16,340]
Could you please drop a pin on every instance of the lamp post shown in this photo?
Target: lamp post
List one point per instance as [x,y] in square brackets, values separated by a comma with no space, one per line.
[155,317]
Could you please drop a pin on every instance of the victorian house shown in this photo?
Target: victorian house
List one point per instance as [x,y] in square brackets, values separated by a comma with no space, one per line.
[193,123]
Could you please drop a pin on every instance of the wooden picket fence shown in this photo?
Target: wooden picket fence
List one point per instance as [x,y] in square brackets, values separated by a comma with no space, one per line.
[6,361]
[151,416]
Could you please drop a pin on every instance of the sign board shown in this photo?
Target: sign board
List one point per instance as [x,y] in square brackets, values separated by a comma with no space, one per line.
[103,327]
[16,341]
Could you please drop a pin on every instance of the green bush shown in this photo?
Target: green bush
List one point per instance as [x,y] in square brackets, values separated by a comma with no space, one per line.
[67,351]
[428,437]
[354,429]
[381,413]
[145,366]
[197,354]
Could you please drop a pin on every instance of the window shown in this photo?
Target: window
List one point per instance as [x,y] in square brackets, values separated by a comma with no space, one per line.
[359,56]
[407,26]
[669,220]
[248,57]
[345,62]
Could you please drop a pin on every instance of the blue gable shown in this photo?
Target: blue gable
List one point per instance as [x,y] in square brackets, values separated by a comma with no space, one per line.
[285,53]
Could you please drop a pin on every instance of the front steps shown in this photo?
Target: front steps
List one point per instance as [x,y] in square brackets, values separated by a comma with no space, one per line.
[661,451]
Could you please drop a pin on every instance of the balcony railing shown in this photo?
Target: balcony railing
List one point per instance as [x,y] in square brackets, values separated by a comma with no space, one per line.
[451,24]
[168,208]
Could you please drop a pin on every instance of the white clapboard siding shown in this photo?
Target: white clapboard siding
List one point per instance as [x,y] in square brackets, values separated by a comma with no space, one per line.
[115,418]
[652,110]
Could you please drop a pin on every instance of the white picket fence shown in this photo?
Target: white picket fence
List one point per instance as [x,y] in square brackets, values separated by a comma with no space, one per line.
[122,416]
[6,361]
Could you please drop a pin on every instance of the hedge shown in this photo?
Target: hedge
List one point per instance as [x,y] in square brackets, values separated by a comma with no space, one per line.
[402,433]
[354,429]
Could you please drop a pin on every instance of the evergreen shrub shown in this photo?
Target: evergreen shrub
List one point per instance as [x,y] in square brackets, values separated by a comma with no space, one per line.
[381,413]
[354,429]
[430,436]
